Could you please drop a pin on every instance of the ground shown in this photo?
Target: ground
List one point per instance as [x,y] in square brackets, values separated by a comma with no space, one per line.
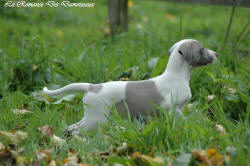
[57,46]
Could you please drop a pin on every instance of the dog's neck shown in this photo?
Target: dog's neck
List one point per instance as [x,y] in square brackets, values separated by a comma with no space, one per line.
[178,67]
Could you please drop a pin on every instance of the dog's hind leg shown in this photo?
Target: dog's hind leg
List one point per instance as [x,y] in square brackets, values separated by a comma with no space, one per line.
[85,124]
[94,113]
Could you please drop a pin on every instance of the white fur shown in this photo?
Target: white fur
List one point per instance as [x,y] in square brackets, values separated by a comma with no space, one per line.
[173,85]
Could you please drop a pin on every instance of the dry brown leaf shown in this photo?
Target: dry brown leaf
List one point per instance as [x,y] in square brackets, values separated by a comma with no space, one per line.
[136,154]
[21,112]
[40,155]
[199,154]
[158,160]
[210,157]
[44,154]
[15,138]
[71,160]
[189,107]
[232,91]
[6,157]
[82,164]
[34,67]
[52,163]
[57,140]
[210,97]
[20,135]
[46,130]
[220,129]
[142,157]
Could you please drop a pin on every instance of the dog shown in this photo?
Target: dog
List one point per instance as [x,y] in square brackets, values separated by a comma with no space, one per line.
[140,97]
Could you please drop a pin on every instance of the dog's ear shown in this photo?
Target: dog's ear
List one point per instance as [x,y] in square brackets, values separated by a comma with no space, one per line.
[186,51]
[171,50]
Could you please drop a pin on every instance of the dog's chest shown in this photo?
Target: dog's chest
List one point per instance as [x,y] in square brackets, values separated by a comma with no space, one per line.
[174,92]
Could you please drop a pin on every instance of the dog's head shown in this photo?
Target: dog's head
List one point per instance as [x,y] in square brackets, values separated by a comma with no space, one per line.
[193,52]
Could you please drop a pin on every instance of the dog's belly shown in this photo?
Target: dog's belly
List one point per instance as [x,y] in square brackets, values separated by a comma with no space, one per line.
[140,97]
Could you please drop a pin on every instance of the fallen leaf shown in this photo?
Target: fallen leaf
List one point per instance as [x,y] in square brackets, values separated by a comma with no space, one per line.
[52,163]
[214,157]
[7,158]
[57,140]
[220,129]
[123,129]
[189,107]
[14,138]
[210,157]
[146,158]
[200,155]
[232,91]
[21,112]
[44,154]
[40,155]
[7,135]
[20,135]
[71,160]
[158,160]
[46,130]
[210,97]
[34,67]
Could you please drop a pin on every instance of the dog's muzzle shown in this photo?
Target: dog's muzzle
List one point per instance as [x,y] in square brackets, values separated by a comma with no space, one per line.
[208,57]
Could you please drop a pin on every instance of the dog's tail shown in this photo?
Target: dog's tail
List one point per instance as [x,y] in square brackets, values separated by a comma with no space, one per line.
[67,88]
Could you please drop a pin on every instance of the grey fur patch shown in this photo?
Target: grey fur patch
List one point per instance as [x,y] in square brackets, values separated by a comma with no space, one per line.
[95,88]
[195,53]
[140,96]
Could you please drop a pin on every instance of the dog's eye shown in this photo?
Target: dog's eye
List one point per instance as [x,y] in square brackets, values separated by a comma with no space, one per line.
[180,52]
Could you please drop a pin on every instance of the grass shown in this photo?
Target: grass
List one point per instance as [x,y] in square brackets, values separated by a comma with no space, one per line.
[57,46]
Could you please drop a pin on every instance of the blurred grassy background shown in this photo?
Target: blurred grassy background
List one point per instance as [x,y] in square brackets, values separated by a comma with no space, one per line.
[48,46]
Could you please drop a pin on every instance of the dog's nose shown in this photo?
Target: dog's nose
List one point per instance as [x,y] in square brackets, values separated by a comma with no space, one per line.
[216,55]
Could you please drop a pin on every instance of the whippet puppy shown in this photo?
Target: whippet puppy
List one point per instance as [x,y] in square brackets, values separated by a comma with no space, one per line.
[139,97]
